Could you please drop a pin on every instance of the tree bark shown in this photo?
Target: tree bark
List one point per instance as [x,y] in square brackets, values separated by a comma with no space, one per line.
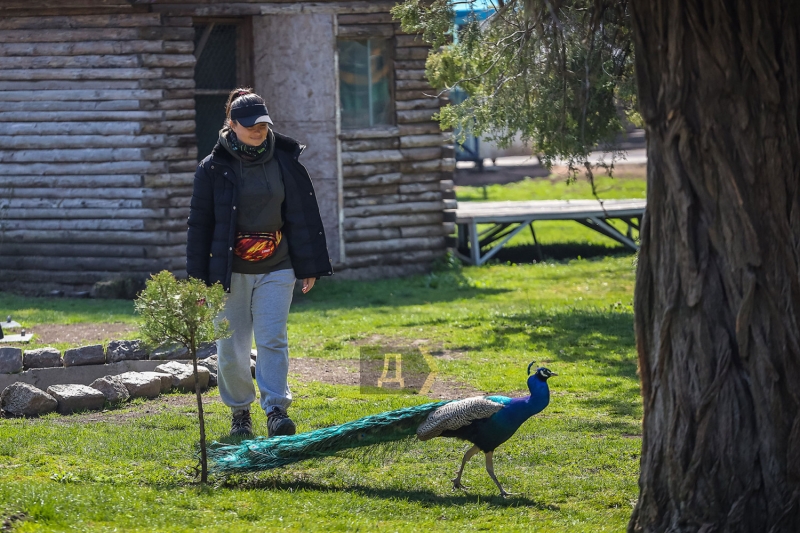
[717,303]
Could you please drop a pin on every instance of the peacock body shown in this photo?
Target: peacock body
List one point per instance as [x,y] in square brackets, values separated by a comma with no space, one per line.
[485,421]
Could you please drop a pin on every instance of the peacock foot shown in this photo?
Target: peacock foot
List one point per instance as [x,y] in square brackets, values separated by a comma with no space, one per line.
[457,484]
[505,494]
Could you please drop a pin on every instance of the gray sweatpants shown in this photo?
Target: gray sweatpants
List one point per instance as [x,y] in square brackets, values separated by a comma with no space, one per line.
[257,303]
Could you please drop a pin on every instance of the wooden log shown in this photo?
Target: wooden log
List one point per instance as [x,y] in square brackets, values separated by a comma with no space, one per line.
[79,116]
[327,7]
[195,9]
[407,85]
[402,74]
[393,209]
[448,164]
[421,103]
[422,177]
[370,133]
[351,171]
[89,95]
[386,221]
[421,154]
[55,85]
[448,195]
[89,155]
[104,192]
[420,128]
[411,53]
[97,61]
[369,195]
[56,169]
[353,200]
[420,141]
[416,94]
[436,230]
[74,128]
[365,31]
[168,126]
[371,156]
[391,264]
[113,264]
[365,18]
[410,64]
[120,224]
[20,142]
[97,237]
[169,179]
[420,115]
[83,74]
[25,215]
[98,34]
[372,234]
[372,181]
[413,188]
[447,185]
[102,106]
[421,167]
[93,250]
[122,20]
[393,245]
[49,205]
[404,41]
[83,278]
[363,145]
[36,49]
[17,182]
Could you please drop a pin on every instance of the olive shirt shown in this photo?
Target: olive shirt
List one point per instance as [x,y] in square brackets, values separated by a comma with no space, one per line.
[260,198]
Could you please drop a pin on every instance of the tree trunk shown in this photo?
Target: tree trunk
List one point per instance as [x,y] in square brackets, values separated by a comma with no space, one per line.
[717,303]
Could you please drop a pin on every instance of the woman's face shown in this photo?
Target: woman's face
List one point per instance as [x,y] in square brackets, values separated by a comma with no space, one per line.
[253,136]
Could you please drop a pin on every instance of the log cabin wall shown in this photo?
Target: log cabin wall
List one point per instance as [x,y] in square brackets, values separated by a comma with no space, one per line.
[97,145]
[397,180]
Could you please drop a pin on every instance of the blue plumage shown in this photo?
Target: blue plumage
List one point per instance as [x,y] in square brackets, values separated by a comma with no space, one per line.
[486,422]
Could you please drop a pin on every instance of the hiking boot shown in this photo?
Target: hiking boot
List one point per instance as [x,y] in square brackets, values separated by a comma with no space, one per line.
[241,426]
[279,423]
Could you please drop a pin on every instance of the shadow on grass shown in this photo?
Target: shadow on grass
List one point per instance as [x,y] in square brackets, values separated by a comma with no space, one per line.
[410,495]
[528,253]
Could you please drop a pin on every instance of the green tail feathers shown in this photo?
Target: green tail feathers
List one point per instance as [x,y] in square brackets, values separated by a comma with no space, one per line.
[262,453]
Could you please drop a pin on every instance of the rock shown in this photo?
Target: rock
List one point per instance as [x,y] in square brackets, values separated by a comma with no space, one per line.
[166,380]
[85,355]
[42,358]
[211,364]
[10,360]
[73,398]
[21,399]
[170,351]
[183,375]
[125,351]
[206,350]
[112,388]
[140,385]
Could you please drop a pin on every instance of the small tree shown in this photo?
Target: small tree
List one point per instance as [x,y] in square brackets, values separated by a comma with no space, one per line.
[183,312]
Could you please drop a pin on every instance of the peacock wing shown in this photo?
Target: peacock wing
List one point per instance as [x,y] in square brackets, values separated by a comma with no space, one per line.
[454,415]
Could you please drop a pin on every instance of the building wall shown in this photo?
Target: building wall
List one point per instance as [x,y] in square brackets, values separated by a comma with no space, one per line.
[97,147]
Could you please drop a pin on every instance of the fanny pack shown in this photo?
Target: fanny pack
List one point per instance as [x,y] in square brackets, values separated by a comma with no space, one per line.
[256,246]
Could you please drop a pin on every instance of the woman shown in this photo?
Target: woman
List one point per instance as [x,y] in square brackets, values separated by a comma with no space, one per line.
[255,227]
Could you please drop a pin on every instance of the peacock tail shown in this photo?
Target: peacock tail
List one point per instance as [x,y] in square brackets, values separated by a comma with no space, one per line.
[262,453]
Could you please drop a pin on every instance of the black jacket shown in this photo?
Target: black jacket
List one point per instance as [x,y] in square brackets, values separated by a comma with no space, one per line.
[212,216]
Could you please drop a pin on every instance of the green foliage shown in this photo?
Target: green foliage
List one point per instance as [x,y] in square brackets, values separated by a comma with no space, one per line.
[558,73]
[180,311]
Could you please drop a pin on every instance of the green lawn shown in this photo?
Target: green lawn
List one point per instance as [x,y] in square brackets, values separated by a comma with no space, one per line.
[561,239]
[573,467]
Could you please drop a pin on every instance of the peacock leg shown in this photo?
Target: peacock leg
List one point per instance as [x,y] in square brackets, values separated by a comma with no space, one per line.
[490,470]
[467,456]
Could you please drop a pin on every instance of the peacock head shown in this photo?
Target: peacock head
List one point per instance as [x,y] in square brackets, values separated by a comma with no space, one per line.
[541,374]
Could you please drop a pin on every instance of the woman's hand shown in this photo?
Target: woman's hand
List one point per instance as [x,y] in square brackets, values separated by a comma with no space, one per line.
[308,284]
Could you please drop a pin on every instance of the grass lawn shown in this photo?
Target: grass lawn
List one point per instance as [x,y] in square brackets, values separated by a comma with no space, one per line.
[573,467]
[561,239]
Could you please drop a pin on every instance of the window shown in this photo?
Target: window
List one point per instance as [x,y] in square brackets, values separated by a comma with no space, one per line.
[222,50]
[365,83]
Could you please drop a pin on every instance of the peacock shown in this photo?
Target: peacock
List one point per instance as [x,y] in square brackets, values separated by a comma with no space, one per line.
[485,421]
